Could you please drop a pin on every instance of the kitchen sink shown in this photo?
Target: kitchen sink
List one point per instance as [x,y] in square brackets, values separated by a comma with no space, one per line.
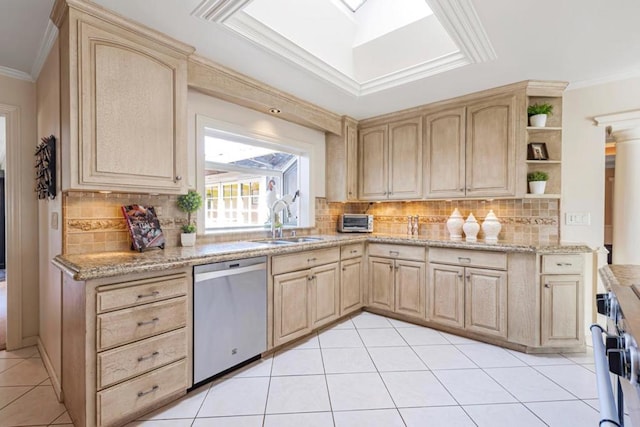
[276,242]
[291,240]
[301,239]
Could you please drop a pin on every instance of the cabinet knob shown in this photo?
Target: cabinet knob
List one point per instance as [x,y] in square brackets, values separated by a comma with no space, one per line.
[546,285]
[178,178]
[460,275]
[390,266]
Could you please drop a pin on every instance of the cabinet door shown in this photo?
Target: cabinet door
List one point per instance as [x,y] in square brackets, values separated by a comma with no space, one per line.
[373,164]
[561,314]
[405,159]
[131,114]
[444,148]
[446,295]
[486,301]
[325,294]
[342,170]
[490,147]
[410,288]
[381,283]
[350,285]
[291,306]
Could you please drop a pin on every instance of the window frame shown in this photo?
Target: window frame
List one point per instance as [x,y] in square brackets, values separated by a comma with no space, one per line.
[206,126]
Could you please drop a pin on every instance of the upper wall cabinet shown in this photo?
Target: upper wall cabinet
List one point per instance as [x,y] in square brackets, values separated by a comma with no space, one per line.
[342,163]
[444,150]
[470,151]
[491,147]
[124,105]
[391,161]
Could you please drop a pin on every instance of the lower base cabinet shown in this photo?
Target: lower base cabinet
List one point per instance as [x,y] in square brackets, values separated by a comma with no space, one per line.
[304,298]
[471,298]
[350,285]
[561,310]
[397,279]
[126,345]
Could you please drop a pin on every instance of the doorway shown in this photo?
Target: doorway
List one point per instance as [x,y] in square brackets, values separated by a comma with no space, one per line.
[3,275]
[609,177]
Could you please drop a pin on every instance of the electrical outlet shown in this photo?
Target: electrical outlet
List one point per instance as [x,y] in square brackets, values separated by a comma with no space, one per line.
[577,218]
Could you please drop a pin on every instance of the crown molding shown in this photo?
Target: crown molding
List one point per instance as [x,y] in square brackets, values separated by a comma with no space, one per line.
[280,47]
[218,10]
[15,74]
[630,74]
[461,21]
[49,38]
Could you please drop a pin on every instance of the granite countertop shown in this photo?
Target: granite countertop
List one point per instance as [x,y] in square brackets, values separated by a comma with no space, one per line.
[108,264]
[619,279]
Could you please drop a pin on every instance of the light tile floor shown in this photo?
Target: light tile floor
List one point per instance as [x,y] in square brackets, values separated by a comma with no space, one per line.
[26,394]
[372,371]
[366,371]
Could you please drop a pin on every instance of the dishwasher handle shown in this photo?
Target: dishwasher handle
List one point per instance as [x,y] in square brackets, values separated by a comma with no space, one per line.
[201,277]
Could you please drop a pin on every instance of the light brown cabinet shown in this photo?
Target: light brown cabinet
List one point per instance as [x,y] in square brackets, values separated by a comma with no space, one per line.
[561,310]
[390,164]
[471,150]
[397,279]
[304,298]
[491,147]
[444,149]
[463,295]
[342,163]
[351,279]
[127,343]
[124,105]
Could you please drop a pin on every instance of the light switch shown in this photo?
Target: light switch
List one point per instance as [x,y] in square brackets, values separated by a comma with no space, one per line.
[54,220]
[577,218]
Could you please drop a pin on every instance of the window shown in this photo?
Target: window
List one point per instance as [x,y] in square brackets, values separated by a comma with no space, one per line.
[245,176]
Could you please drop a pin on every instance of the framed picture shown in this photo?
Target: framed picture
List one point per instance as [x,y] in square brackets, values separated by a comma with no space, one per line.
[537,151]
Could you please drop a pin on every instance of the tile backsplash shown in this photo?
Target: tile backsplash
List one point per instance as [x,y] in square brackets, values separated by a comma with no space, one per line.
[93,222]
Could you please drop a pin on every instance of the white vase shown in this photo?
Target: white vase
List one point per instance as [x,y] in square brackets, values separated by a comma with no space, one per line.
[188,239]
[471,228]
[491,227]
[537,187]
[454,225]
[538,120]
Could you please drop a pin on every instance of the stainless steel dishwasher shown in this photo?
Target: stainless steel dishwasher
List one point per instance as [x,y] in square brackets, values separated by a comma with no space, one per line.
[229,315]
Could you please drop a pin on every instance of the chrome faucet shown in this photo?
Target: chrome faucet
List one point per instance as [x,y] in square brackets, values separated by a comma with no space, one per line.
[276,231]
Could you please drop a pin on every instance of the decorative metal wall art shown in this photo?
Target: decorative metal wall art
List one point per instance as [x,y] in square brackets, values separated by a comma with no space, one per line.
[46,168]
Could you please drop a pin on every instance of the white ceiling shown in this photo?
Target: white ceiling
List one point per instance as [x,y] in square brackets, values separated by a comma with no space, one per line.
[579,41]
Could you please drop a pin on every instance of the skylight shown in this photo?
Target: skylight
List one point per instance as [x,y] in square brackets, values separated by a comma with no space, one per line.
[353,5]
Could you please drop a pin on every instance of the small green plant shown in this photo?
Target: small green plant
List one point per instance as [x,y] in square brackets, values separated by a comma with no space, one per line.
[537,176]
[543,108]
[189,203]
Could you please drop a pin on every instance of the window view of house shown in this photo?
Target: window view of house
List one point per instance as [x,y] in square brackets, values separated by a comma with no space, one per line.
[242,182]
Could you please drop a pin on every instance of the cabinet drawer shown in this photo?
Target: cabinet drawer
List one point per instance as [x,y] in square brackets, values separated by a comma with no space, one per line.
[303,260]
[141,292]
[134,359]
[562,264]
[351,251]
[131,324]
[471,258]
[416,253]
[133,396]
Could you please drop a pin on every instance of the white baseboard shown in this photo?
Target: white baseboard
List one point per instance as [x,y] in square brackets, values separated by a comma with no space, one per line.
[52,374]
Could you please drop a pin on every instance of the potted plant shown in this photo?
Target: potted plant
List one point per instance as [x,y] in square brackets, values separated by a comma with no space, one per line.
[537,181]
[538,114]
[189,203]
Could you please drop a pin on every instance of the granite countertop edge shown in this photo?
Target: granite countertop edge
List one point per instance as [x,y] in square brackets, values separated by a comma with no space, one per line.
[109,264]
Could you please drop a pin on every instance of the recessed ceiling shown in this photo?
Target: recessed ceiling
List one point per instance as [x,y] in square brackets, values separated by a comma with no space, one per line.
[380,46]
[581,42]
